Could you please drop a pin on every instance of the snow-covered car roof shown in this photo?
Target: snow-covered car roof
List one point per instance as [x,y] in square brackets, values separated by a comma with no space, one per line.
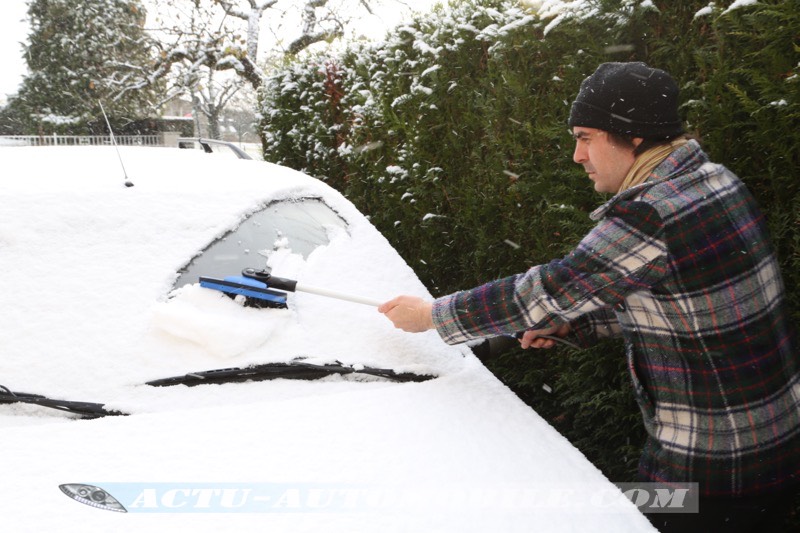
[88,267]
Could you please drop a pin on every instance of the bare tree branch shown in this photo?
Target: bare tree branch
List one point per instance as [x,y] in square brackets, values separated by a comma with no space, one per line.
[200,39]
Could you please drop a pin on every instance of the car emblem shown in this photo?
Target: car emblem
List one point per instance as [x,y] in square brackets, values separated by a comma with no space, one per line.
[92,496]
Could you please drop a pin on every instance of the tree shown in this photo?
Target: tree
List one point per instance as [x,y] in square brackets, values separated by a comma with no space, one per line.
[192,56]
[82,52]
[240,116]
[201,37]
[209,34]
[211,98]
[321,21]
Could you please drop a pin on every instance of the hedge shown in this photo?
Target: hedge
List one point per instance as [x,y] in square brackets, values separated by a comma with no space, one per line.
[451,136]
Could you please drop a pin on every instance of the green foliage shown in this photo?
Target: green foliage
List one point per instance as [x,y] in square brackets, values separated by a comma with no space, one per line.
[451,135]
[750,113]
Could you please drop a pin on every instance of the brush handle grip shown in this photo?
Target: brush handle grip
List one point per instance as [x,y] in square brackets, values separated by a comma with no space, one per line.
[282,284]
[555,338]
[274,282]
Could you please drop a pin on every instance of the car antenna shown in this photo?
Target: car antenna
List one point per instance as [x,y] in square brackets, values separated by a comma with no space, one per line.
[128,182]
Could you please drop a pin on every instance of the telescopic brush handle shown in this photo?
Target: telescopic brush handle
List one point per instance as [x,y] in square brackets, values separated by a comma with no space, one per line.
[291,285]
[338,295]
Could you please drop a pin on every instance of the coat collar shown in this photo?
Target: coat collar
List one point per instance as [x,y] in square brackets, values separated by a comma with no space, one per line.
[683,160]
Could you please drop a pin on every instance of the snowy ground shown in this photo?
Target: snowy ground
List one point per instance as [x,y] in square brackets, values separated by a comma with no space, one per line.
[87,266]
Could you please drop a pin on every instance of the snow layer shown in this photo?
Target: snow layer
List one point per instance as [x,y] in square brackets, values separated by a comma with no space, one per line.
[87,267]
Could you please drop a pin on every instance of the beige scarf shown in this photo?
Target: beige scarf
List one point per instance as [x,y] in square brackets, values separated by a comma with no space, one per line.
[646,162]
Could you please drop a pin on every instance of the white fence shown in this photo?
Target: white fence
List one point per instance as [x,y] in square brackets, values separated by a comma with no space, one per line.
[168,138]
[88,140]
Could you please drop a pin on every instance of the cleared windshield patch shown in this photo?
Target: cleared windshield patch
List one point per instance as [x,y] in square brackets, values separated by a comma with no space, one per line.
[300,225]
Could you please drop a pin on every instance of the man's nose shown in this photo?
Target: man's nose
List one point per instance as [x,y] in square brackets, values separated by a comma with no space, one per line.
[580,154]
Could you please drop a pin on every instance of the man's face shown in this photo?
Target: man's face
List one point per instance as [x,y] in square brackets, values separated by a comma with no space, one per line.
[606,163]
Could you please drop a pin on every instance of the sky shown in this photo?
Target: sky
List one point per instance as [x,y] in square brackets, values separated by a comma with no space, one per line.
[14,30]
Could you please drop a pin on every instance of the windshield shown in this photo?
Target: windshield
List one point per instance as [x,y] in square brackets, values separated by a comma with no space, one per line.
[300,225]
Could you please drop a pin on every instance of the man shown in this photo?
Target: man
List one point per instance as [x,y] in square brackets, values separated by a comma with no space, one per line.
[680,266]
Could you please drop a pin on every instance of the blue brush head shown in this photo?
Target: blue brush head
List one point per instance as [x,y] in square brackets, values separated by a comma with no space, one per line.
[258,294]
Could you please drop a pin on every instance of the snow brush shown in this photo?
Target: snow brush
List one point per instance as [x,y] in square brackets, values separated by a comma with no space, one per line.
[260,286]
[270,291]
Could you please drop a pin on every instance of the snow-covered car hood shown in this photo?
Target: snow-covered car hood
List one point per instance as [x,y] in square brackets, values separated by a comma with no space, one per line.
[87,271]
[90,264]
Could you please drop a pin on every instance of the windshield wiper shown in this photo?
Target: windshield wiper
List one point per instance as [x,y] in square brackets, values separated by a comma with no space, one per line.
[86,410]
[290,370]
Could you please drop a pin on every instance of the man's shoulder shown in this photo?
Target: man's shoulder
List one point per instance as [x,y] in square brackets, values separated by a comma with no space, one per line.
[704,184]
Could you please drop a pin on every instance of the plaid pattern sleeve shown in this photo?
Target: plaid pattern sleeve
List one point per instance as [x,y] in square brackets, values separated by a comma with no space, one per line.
[683,268]
[621,255]
[588,329]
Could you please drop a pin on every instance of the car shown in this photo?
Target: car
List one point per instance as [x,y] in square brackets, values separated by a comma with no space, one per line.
[211,146]
[191,342]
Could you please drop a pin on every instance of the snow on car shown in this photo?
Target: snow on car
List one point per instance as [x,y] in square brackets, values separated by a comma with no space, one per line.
[104,315]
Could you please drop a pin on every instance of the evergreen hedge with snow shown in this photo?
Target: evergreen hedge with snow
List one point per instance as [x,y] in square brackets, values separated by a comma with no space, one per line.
[451,136]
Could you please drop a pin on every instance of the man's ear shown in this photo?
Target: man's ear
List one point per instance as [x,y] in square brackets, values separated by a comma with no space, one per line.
[637,141]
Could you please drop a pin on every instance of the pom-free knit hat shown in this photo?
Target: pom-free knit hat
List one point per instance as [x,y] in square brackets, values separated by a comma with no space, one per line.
[628,99]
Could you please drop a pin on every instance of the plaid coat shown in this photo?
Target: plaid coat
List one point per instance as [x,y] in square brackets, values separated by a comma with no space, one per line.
[681,267]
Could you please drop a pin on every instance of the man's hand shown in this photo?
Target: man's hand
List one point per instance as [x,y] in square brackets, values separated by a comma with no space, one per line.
[532,337]
[409,313]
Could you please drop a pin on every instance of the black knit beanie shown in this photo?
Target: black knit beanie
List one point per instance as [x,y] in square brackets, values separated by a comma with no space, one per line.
[628,99]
